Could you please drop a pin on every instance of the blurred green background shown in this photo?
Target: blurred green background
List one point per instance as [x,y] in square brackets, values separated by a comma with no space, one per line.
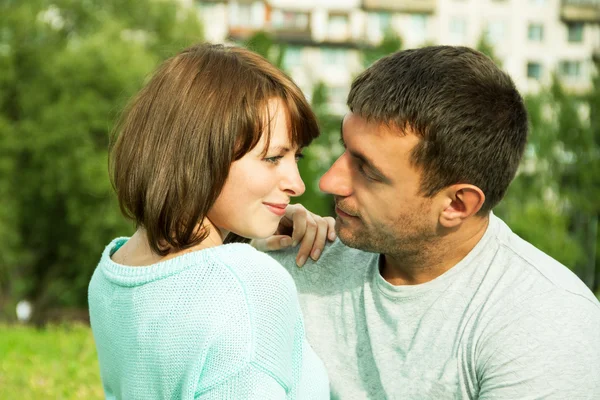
[65,76]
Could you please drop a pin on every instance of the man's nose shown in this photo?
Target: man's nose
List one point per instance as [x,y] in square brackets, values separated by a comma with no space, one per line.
[337,180]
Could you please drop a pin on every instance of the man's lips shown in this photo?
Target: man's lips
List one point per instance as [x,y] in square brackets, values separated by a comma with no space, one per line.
[343,214]
[276,208]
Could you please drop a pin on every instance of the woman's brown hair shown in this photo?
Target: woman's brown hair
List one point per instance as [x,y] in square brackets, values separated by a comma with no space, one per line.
[173,147]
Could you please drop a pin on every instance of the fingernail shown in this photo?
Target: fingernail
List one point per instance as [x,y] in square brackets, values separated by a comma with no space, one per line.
[285,242]
[301,261]
[315,254]
[294,243]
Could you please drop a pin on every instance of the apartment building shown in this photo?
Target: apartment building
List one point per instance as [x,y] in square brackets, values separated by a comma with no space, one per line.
[533,38]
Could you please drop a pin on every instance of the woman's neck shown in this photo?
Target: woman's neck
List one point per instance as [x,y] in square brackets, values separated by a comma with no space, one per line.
[137,252]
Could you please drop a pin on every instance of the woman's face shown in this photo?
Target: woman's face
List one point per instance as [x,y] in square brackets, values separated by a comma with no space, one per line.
[258,188]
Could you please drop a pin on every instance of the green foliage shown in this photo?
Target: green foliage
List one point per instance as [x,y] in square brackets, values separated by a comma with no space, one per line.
[553,202]
[321,154]
[484,46]
[264,44]
[58,362]
[70,68]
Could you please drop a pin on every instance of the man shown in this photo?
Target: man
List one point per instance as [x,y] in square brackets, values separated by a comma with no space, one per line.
[427,294]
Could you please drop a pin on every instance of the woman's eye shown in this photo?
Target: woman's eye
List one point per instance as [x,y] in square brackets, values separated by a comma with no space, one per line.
[273,160]
[299,157]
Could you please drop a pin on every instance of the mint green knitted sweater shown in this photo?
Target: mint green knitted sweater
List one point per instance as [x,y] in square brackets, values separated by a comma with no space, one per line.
[219,323]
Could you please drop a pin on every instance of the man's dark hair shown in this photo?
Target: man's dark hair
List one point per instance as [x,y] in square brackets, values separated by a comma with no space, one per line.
[470,117]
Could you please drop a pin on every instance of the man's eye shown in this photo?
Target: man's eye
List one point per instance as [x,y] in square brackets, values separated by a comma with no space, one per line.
[363,172]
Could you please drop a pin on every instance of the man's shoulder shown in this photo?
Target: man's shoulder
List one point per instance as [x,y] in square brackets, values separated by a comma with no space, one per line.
[538,271]
[335,253]
[550,341]
[337,267]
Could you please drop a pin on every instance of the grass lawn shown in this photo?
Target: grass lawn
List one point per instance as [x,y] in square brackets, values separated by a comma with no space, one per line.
[58,362]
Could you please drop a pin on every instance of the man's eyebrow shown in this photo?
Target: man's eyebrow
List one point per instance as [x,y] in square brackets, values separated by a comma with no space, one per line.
[364,159]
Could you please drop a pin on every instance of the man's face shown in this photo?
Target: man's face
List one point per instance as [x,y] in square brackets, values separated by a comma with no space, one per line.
[376,189]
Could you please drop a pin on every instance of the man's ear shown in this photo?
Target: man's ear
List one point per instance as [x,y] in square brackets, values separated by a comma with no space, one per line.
[461,201]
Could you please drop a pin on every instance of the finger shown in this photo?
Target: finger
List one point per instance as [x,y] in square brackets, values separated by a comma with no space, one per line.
[320,238]
[273,243]
[300,218]
[307,241]
[331,235]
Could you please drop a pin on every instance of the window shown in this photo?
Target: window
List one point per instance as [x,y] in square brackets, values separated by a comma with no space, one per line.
[242,15]
[458,28]
[495,32]
[206,7]
[535,32]
[534,70]
[289,20]
[292,57]
[569,69]
[575,32]
[419,27]
[333,56]
[380,21]
[337,26]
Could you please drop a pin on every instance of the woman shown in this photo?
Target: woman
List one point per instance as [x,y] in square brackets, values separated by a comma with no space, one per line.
[207,150]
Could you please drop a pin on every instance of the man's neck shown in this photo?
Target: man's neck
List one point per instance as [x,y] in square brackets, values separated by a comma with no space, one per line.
[433,259]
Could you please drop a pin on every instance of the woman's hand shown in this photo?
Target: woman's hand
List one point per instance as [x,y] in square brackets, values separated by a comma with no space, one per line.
[300,226]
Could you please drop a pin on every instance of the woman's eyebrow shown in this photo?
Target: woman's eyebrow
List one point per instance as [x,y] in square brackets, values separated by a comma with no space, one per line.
[279,149]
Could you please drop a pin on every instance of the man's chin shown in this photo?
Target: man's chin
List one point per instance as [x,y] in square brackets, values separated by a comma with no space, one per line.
[346,236]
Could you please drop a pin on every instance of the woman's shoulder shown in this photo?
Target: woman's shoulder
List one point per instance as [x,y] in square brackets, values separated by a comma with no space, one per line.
[255,269]
[243,257]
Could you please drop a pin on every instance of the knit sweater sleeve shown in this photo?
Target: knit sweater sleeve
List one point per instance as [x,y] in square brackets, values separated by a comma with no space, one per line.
[249,383]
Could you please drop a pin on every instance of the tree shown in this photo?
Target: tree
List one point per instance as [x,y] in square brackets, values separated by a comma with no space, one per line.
[594,107]
[321,154]
[553,202]
[263,43]
[484,46]
[71,67]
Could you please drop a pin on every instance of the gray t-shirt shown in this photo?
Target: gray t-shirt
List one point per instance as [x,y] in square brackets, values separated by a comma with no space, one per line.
[507,322]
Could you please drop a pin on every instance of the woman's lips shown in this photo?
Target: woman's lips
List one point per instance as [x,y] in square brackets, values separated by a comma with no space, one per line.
[276,208]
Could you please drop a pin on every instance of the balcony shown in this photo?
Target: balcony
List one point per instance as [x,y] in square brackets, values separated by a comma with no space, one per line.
[290,26]
[580,11]
[403,6]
